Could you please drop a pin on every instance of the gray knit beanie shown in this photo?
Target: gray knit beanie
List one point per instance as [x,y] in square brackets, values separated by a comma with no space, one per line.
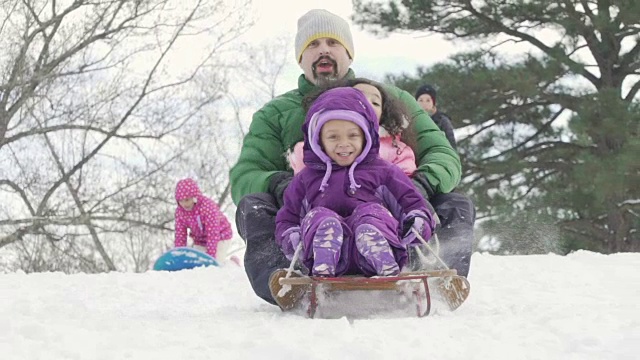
[319,23]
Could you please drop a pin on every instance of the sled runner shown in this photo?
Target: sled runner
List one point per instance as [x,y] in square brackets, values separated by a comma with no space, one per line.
[420,286]
[293,291]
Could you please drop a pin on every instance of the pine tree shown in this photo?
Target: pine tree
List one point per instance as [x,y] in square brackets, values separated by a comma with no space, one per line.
[550,138]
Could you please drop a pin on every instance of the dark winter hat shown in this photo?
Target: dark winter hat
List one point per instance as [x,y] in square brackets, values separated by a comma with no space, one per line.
[320,23]
[427,89]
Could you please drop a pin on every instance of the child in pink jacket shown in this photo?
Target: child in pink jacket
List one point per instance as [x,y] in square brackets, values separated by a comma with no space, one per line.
[206,223]
[393,123]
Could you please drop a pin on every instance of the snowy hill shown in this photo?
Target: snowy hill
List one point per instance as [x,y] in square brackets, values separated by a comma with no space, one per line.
[582,306]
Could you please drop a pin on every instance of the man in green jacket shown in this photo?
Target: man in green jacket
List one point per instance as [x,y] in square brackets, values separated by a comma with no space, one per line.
[324,50]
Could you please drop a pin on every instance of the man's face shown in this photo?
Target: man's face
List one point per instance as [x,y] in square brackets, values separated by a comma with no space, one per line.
[426,103]
[325,59]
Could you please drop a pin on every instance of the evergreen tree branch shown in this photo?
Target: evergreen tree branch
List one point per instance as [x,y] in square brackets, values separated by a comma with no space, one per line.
[556,53]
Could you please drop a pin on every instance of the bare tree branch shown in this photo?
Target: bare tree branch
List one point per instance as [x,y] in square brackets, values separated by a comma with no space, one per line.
[97,121]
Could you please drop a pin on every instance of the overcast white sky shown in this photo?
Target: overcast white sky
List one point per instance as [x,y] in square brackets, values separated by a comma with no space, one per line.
[374,56]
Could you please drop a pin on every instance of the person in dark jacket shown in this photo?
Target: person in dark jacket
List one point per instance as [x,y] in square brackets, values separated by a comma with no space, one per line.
[351,211]
[324,50]
[426,96]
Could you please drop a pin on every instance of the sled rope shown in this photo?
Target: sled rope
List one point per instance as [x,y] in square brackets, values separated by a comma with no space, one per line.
[287,287]
[424,242]
[453,289]
[424,260]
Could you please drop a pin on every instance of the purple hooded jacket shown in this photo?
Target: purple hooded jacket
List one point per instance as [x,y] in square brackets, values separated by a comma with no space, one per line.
[324,183]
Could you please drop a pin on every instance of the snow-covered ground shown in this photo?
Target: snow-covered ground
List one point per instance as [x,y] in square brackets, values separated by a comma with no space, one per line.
[581,306]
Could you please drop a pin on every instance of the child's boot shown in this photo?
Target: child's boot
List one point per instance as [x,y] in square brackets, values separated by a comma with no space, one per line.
[327,243]
[376,250]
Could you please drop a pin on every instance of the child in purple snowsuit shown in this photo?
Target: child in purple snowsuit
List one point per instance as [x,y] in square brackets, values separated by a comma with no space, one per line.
[352,211]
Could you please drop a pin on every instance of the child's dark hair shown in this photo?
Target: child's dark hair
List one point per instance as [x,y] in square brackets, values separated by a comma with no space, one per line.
[394,118]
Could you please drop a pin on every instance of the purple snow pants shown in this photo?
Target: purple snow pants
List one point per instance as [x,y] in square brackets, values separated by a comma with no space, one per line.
[351,261]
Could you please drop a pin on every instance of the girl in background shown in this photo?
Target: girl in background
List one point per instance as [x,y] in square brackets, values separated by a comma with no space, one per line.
[202,219]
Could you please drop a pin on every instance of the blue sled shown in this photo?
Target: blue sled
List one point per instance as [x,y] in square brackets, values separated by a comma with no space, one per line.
[182,258]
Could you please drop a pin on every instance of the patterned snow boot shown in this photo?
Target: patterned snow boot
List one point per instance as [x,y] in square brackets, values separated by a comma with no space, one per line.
[327,243]
[376,250]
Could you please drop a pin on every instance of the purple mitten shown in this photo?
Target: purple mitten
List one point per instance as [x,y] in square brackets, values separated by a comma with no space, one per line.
[291,241]
[420,226]
[294,239]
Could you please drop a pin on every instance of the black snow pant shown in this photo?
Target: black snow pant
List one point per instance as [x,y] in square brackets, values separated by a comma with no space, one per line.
[256,223]
[255,220]
[457,216]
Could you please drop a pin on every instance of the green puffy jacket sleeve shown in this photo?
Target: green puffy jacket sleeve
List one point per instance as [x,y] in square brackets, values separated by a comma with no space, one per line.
[274,129]
[435,157]
[261,156]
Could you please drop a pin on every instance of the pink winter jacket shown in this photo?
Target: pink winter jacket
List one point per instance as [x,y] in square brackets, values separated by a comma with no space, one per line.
[402,155]
[207,223]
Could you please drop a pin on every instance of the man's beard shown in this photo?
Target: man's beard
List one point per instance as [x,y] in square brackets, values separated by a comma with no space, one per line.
[325,78]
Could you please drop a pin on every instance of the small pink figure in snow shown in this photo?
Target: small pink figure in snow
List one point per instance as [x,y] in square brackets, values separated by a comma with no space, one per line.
[201,218]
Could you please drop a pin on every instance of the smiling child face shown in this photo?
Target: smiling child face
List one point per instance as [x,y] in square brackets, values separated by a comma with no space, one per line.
[342,141]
